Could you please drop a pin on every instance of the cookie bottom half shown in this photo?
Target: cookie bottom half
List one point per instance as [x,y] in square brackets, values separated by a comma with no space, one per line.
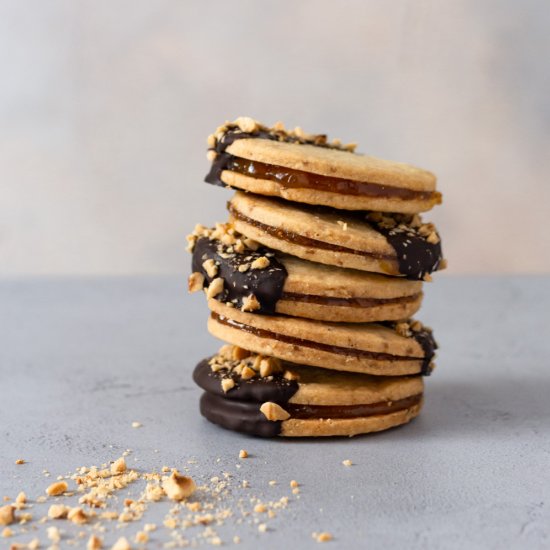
[246,417]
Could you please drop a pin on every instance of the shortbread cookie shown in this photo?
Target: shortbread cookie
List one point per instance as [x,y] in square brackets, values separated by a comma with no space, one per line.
[241,274]
[393,244]
[309,169]
[386,349]
[263,396]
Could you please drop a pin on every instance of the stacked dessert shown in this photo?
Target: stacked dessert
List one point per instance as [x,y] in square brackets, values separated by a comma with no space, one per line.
[313,282]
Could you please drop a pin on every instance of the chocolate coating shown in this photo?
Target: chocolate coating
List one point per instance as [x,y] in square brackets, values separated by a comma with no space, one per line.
[278,389]
[239,416]
[266,284]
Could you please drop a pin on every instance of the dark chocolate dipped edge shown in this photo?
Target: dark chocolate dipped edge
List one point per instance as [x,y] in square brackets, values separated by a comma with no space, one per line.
[265,284]
[426,339]
[274,388]
[239,416]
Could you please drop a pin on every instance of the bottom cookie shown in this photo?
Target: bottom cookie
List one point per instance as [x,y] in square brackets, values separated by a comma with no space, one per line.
[263,396]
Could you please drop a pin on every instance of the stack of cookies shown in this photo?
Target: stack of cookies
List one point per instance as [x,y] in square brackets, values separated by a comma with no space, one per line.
[312,282]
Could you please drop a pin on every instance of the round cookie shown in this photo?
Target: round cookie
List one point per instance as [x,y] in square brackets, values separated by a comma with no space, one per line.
[259,280]
[309,169]
[388,349]
[392,244]
[294,401]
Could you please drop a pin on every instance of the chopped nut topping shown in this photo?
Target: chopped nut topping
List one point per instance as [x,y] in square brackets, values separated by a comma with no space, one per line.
[243,454]
[195,281]
[7,515]
[273,412]
[237,353]
[227,384]
[289,375]
[250,303]
[243,268]
[269,366]
[247,373]
[260,263]
[215,288]
[177,486]
[210,267]
[57,488]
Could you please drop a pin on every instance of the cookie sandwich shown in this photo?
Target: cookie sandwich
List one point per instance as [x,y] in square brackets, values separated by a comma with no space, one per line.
[262,396]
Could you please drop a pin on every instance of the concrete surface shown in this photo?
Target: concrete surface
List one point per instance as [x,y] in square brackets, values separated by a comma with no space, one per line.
[81,359]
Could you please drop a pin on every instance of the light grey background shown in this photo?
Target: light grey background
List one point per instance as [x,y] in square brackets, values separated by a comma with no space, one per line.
[105,107]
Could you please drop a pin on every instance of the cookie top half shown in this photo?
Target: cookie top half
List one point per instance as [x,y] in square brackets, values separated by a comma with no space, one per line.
[308,168]
[392,244]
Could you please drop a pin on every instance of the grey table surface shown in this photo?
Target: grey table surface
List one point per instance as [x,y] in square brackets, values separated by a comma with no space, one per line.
[81,359]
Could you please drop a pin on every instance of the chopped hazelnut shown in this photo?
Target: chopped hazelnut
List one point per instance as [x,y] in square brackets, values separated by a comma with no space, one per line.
[269,366]
[94,543]
[250,303]
[247,373]
[239,353]
[433,238]
[243,268]
[7,514]
[210,267]
[246,124]
[211,155]
[252,244]
[274,412]
[118,466]
[57,488]
[260,263]
[215,288]
[290,375]
[227,384]
[195,281]
[178,487]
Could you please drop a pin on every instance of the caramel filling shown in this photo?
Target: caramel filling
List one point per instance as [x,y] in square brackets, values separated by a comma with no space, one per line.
[347,302]
[297,179]
[292,237]
[262,333]
[310,412]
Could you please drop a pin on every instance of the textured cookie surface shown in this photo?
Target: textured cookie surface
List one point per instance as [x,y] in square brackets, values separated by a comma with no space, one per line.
[259,280]
[393,349]
[263,396]
[389,244]
[309,169]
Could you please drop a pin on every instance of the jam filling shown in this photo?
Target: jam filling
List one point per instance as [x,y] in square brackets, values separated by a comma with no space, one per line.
[349,302]
[262,333]
[310,412]
[292,237]
[297,179]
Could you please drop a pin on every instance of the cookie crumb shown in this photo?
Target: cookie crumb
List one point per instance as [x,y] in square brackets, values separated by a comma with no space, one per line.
[136,424]
[260,508]
[141,537]
[274,412]
[347,462]
[322,537]
[262,528]
[236,539]
[56,489]
[243,453]
[20,461]
[58,511]
[7,532]
[53,533]
[118,466]
[294,484]
[77,515]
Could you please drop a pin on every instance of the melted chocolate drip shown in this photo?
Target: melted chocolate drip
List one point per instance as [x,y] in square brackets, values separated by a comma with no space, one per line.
[278,389]
[266,284]
[239,416]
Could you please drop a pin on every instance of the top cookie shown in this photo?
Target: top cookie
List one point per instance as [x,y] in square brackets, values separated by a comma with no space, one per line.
[309,169]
